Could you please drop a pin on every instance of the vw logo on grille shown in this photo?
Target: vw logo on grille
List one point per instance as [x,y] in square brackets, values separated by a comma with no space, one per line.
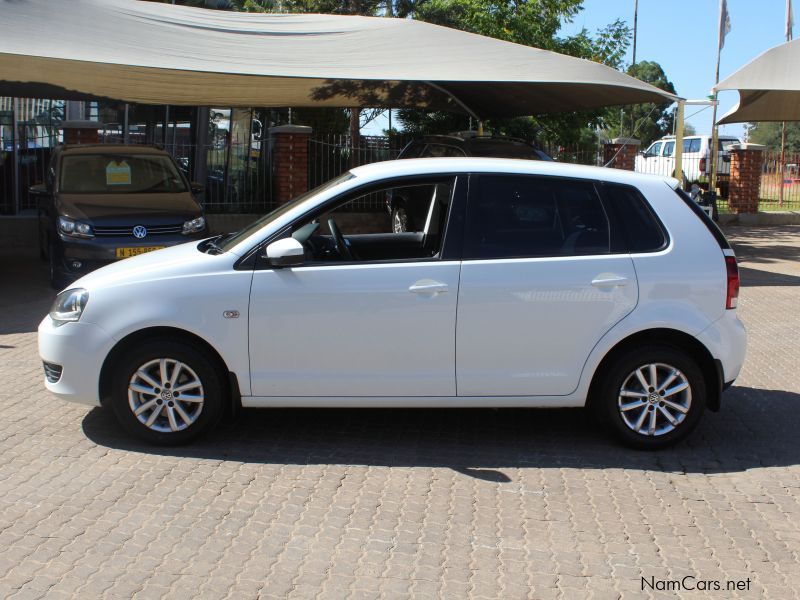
[139,231]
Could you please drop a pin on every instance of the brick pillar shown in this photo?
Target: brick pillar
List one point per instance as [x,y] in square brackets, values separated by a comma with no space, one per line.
[628,148]
[747,161]
[289,147]
[81,132]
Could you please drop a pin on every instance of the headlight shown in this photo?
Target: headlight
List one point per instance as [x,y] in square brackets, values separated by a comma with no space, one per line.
[74,228]
[194,225]
[68,306]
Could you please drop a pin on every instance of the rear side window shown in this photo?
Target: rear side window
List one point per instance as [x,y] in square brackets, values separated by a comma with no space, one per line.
[691,145]
[517,216]
[640,226]
[443,150]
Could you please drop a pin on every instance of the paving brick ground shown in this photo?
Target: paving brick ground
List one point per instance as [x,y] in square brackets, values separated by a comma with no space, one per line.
[405,504]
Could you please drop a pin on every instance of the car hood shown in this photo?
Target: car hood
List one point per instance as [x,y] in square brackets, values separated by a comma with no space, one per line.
[183,260]
[126,208]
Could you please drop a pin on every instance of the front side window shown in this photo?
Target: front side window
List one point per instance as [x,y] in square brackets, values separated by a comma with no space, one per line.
[355,229]
[669,148]
[119,174]
[516,216]
[654,150]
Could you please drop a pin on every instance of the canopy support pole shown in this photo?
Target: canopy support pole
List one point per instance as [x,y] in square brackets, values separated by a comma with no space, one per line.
[679,141]
[470,112]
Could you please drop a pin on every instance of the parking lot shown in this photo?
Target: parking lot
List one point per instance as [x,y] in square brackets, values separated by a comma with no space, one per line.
[406,503]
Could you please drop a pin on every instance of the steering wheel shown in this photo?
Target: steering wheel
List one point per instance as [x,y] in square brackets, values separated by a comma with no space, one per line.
[338,239]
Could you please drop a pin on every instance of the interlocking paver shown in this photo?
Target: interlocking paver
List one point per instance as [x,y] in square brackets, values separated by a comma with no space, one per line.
[401,503]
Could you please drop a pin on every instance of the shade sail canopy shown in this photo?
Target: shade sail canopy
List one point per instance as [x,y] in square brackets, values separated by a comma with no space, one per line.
[769,87]
[161,54]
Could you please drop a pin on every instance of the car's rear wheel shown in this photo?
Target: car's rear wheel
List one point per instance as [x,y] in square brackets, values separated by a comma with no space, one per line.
[651,397]
[167,392]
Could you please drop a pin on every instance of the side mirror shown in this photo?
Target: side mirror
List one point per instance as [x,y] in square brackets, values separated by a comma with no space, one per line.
[197,188]
[287,252]
[38,189]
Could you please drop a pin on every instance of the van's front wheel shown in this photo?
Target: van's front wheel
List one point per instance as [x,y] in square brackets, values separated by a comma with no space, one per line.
[652,397]
[167,392]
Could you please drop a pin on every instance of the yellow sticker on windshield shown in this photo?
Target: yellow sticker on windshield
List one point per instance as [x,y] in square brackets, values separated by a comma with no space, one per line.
[118,173]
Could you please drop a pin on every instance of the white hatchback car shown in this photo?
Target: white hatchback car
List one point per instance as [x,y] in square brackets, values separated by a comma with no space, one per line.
[530,284]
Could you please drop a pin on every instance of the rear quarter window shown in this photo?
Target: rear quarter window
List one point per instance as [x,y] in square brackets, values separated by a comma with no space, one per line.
[640,226]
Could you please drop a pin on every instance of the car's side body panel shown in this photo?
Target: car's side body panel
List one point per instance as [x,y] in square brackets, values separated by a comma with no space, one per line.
[354,330]
[526,325]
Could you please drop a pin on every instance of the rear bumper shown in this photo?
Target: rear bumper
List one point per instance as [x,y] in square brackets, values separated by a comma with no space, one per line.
[726,339]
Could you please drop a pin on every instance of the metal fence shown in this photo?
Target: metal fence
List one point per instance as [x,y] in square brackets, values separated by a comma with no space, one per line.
[330,155]
[780,187]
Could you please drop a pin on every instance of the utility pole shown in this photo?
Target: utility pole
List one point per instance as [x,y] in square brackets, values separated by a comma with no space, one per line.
[724,28]
[635,27]
[789,24]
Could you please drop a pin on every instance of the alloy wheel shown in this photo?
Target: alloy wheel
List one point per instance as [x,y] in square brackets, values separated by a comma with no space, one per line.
[654,399]
[166,395]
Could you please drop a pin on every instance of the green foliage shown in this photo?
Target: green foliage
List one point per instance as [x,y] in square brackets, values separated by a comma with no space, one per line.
[769,134]
[647,122]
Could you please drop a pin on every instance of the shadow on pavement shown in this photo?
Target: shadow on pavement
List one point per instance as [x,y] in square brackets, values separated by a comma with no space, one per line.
[756,277]
[26,296]
[756,428]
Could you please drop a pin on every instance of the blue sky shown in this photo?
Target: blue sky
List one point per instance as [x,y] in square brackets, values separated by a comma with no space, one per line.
[681,35]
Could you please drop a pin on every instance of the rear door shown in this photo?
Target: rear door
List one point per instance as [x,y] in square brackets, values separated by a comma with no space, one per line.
[542,280]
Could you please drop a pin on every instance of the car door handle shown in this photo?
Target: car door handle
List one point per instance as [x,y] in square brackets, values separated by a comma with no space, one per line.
[428,286]
[609,281]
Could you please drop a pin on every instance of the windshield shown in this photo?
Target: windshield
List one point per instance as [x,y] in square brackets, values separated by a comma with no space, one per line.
[119,174]
[230,241]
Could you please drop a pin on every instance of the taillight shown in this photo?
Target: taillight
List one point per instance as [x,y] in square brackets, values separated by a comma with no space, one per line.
[702,165]
[733,282]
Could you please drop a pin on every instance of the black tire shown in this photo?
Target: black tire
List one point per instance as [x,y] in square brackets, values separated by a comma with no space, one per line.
[607,400]
[199,362]
[400,219]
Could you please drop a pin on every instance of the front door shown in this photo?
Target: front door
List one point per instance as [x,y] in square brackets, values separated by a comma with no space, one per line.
[540,285]
[370,313]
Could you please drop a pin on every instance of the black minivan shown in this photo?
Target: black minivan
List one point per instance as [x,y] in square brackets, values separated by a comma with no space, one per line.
[105,202]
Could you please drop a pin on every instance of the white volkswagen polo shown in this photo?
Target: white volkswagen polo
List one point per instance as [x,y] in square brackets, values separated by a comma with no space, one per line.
[529,284]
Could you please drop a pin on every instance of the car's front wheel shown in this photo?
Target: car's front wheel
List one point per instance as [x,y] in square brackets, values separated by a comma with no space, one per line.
[651,397]
[167,392]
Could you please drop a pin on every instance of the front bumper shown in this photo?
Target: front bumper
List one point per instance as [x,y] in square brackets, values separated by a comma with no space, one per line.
[80,256]
[80,349]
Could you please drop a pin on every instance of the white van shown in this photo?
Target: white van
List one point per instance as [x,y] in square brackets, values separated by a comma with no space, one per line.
[659,159]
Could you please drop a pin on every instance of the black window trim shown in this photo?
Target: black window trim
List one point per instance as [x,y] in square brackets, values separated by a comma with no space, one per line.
[451,242]
[473,191]
[712,227]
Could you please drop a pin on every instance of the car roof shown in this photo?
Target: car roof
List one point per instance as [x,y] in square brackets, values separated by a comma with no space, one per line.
[432,166]
[111,149]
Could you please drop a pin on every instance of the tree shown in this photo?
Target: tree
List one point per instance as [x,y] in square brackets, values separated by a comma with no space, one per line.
[769,134]
[646,122]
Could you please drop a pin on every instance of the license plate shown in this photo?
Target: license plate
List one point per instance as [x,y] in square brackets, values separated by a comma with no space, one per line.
[128,252]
